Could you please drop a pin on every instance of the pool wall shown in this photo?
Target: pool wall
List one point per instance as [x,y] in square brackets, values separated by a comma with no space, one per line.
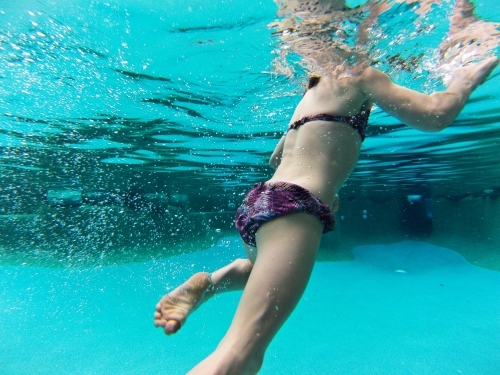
[90,235]
[470,226]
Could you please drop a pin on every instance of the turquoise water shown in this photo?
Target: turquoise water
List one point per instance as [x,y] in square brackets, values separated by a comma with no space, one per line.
[407,308]
[153,116]
[107,95]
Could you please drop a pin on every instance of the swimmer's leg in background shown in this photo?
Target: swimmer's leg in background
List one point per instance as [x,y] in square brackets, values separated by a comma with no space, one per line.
[286,251]
[174,307]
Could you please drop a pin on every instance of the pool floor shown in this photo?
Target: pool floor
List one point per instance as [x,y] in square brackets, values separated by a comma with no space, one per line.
[405,308]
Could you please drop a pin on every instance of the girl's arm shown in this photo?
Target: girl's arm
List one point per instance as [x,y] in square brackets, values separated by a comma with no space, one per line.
[425,112]
[275,159]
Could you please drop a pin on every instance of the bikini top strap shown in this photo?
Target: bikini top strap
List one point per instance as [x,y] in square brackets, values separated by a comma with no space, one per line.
[297,124]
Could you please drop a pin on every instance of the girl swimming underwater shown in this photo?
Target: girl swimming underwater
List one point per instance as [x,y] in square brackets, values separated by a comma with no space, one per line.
[281,220]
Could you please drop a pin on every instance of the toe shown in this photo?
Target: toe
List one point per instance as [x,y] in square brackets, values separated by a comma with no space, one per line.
[172,326]
[160,323]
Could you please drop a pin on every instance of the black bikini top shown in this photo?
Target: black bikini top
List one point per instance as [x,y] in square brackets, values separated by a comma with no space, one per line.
[358,122]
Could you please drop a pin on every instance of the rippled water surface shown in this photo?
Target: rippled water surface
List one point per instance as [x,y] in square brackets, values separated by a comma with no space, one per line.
[122,94]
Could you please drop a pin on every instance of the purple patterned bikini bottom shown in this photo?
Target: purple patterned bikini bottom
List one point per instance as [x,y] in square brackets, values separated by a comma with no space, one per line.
[269,200]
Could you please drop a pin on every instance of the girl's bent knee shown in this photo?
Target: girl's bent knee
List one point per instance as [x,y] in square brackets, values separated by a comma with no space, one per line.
[244,265]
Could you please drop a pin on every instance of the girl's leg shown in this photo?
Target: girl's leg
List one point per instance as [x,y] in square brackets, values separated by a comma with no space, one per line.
[173,309]
[286,253]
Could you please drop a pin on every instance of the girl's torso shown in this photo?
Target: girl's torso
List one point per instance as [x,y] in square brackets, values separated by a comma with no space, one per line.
[320,155]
